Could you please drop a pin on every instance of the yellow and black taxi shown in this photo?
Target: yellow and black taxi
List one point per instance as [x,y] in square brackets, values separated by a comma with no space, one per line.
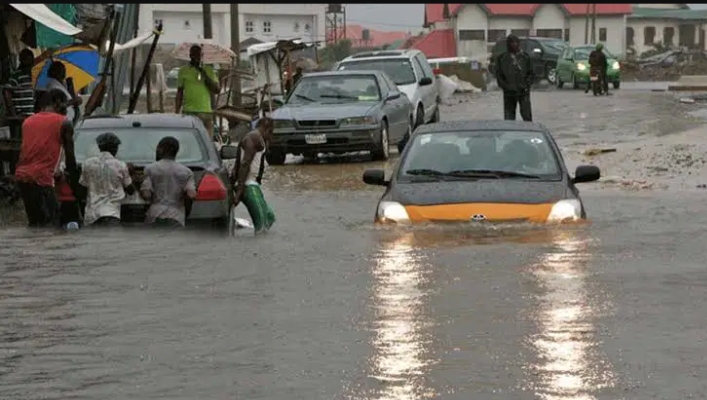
[481,171]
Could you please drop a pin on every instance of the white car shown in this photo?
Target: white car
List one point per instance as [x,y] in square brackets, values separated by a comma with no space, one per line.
[412,74]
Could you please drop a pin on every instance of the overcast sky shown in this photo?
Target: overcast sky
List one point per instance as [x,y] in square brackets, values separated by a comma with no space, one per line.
[398,17]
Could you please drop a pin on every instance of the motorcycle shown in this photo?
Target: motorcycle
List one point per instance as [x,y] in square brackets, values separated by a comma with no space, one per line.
[595,82]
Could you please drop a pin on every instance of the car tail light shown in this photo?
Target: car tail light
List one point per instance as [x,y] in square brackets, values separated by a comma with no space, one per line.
[63,191]
[210,189]
[437,71]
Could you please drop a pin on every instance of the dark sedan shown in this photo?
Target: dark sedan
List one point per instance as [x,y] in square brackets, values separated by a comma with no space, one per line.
[139,134]
[481,171]
[341,112]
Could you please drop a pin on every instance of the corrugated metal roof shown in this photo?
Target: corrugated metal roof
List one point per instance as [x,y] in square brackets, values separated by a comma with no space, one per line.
[439,43]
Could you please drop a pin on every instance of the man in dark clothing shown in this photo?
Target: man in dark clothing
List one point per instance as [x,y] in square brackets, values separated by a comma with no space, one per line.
[515,77]
[599,64]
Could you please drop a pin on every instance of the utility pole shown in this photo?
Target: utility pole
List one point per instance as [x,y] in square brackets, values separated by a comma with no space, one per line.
[236,47]
[208,29]
[594,23]
[586,25]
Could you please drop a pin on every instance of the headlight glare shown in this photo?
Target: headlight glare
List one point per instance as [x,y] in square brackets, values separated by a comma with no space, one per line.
[359,121]
[581,67]
[565,211]
[390,211]
[616,65]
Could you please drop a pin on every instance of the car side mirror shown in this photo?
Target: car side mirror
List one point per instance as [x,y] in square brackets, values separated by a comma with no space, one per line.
[425,81]
[375,177]
[393,95]
[229,152]
[586,173]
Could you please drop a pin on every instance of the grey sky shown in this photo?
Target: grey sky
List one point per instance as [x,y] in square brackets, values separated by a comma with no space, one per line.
[399,17]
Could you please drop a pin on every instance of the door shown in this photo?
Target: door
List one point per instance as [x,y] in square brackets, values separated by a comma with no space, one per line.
[429,92]
[394,109]
[563,65]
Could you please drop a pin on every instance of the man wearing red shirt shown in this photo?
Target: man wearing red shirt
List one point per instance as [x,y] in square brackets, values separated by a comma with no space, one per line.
[44,134]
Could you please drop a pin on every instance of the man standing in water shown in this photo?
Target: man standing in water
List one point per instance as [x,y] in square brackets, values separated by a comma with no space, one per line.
[196,84]
[248,175]
[515,77]
[44,134]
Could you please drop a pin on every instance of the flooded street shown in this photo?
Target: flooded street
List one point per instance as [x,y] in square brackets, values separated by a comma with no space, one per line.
[328,306]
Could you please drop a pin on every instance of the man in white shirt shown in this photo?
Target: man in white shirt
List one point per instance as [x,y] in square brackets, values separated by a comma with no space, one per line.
[58,80]
[107,180]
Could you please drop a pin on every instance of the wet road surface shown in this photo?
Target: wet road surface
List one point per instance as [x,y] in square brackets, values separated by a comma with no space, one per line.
[327,306]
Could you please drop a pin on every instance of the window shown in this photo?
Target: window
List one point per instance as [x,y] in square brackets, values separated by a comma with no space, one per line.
[550,33]
[520,32]
[425,65]
[496,35]
[668,35]
[267,27]
[158,22]
[249,28]
[398,69]
[567,35]
[602,34]
[187,24]
[629,36]
[472,34]
[307,28]
[296,27]
[649,35]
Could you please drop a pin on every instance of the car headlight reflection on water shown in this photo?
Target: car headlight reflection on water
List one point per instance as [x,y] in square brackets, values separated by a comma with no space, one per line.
[565,211]
[616,65]
[581,67]
[390,211]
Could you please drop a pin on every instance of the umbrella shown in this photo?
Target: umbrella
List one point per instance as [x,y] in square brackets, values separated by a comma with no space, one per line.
[81,64]
[211,53]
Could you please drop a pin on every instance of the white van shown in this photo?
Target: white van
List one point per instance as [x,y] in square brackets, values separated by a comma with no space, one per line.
[412,74]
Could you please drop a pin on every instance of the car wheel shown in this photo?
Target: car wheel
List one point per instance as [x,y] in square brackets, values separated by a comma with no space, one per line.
[435,116]
[381,150]
[559,83]
[575,84]
[275,157]
[406,138]
[420,117]
[617,84]
[551,75]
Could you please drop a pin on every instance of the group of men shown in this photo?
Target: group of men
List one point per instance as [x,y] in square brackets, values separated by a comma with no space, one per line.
[515,77]
[104,180]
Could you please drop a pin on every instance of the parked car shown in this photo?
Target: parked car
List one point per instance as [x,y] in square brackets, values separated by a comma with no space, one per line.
[544,53]
[481,172]
[341,112]
[573,67]
[411,71]
[139,135]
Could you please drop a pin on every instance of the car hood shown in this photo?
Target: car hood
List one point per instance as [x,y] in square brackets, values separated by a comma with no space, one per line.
[322,110]
[478,191]
[409,90]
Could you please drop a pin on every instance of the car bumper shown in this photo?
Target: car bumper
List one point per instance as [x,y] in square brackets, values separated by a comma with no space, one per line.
[135,212]
[612,76]
[335,141]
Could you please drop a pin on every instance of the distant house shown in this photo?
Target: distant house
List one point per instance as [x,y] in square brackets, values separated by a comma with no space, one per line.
[477,27]
[667,24]
[362,37]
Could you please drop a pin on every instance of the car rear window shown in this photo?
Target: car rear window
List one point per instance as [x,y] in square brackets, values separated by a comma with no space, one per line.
[398,69]
[138,145]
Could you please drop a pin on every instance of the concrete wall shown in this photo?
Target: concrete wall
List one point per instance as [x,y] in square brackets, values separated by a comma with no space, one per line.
[549,16]
[639,28]
[282,17]
[470,16]
[615,32]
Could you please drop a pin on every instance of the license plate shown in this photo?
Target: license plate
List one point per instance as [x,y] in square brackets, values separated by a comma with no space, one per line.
[594,78]
[315,139]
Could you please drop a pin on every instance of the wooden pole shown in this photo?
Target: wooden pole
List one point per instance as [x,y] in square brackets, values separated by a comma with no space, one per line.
[236,47]
[148,89]
[586,24]
[145,70]
[594,23]
[208,28]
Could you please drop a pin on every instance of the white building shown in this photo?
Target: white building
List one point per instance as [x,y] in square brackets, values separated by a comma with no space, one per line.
[265,22]
[666,24]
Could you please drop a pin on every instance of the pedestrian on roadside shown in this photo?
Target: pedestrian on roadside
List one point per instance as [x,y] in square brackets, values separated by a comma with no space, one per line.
[44,134]
[599,63]
[515,77]
[168,185]
[248,175]
[196,84]
[19,91]
[108,180]
[58,80]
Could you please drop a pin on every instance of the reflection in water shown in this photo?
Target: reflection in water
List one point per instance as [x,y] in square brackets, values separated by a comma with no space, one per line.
[398,298]
[570,366]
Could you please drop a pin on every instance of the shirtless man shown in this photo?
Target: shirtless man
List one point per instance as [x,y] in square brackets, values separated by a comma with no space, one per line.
[248,174]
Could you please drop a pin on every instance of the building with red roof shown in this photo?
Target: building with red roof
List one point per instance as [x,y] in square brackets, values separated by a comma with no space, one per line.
[374,38]
[476,27]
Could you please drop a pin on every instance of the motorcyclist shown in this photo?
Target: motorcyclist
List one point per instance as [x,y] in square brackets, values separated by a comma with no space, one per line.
[598,65]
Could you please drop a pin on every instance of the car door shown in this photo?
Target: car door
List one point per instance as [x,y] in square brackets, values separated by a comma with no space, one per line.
[529,46]
[395,109]
[562,65]
[429,92]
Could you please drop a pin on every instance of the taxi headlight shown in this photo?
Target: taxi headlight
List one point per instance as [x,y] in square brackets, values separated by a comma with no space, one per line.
[581,67]
[565,211]
[390,211]
[616,65]
[359,121]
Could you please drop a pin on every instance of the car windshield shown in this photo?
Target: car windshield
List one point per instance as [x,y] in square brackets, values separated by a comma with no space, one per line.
[555,46]
[138,145]
[582,53]
[335,89]
[478,154]
[398,69]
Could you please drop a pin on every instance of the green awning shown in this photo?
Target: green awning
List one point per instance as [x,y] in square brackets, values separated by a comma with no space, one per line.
[50,38]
